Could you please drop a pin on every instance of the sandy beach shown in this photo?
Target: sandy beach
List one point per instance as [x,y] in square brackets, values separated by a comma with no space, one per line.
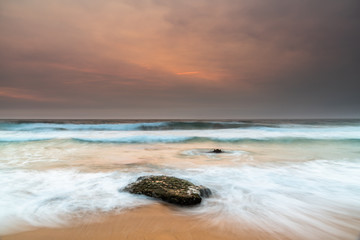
[274,180]
[155,222]
[179,120]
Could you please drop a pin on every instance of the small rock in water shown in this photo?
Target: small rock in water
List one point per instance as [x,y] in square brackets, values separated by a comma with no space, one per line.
[169,189]
[217,150]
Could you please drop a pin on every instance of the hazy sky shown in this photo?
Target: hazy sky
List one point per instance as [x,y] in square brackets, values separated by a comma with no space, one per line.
[179,58]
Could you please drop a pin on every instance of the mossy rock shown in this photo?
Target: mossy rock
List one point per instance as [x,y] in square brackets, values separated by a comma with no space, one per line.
[169,189]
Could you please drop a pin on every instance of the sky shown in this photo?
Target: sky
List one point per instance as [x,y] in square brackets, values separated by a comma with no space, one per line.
[180,59]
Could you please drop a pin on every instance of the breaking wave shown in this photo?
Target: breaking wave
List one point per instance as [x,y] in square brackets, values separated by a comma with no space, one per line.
[284,134]
[108,125]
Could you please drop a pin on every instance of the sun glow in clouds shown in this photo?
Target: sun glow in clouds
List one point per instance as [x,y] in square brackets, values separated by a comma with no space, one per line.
[187,73]
[23,94]
[58,55]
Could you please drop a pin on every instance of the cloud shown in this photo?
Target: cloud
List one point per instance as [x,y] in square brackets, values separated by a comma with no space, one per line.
[24,95]
[220,58]
[187,73]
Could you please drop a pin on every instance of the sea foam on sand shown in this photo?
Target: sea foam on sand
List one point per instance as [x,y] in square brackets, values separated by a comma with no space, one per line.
[298,180]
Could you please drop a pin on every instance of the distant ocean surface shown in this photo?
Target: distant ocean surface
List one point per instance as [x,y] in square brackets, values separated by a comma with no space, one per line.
[283,176]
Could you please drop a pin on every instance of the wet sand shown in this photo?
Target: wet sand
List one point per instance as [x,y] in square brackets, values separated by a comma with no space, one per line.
[156,222]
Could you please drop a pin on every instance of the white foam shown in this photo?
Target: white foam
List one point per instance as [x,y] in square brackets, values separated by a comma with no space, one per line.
[313,200]
[56,197]
[321,197]
[256,133]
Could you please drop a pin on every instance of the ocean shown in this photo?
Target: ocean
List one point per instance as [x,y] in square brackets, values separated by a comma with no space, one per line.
[282,176]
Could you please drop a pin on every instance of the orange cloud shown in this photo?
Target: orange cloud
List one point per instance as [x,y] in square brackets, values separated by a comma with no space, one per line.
[187,73]
[23,94]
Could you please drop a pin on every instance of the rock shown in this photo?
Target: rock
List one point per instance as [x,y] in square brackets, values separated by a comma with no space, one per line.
[169,189]
[217,150]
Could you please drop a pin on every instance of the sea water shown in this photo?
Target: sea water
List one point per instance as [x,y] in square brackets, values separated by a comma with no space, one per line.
[298,177]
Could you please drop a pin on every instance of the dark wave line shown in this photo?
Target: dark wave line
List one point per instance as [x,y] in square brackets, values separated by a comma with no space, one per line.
[186,140]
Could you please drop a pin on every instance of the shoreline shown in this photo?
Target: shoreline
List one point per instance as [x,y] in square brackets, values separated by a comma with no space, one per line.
[154,222]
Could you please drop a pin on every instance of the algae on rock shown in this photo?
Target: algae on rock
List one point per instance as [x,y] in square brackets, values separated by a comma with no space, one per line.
[169,189]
